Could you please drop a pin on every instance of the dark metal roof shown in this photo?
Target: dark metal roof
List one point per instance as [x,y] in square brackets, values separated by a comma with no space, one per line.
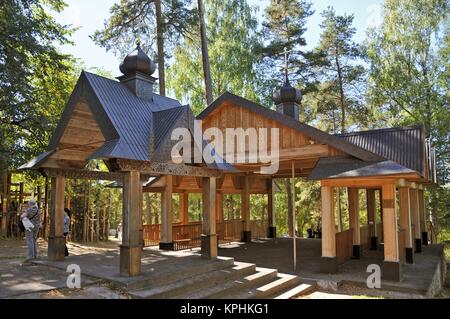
[341,167]
[404,146]
[36,161]
[314,133]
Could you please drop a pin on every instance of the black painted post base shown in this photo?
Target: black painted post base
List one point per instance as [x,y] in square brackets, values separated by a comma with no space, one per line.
[409,255]
[392,270]
[166,246]
[373,243]
[328,265]
[56,248]
[357,252]
[209,246]
[246,236]
[272,232]
[418,245]
[424,238]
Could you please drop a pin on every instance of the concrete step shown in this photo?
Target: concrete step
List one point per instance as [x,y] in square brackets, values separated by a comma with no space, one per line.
[178,271]
[222,291]
[280,284]
[194,283]
[299,290]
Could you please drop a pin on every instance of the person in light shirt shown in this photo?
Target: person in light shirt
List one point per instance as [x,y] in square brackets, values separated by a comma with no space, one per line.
[66,229]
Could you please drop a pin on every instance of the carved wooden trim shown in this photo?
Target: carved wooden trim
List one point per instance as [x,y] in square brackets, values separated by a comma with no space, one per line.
[167,169]
[83,174]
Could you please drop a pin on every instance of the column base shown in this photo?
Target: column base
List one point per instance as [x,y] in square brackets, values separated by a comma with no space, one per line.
[418,245]
[328,265]
[392,270]
[209,246]
[56,248]
[166,246]
[409,255]
[373,243]
[130,260]
[424,238]
[357,252]
[246,236]
[272,232]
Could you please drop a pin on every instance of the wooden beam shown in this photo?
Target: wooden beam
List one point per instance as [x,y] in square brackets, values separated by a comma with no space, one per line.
[245,204]
[83,174]
[415,219]
[372,215]
[184,208]
[130,250]
[422,216]
[56,240]
[167,168]
[209,236]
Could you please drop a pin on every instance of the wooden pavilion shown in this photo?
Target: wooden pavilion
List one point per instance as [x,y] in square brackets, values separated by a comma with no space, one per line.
[129,127]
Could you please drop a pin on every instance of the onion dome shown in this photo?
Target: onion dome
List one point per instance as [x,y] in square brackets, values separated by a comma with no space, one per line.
[287,94]
[137,61]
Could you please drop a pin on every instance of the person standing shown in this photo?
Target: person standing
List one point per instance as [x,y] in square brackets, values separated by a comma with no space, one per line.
[31,220]
[66,229]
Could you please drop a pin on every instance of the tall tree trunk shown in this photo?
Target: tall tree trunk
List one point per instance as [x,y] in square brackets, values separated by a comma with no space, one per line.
[341,90]
[290,208]
[205,56]
[160,44]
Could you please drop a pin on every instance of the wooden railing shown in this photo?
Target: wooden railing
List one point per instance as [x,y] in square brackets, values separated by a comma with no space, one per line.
[151,234]
[187,236]
[259,228]
[344,246]
[365,237]
[229,230]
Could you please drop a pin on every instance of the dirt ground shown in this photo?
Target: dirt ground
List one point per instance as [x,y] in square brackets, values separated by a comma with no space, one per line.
[25,281]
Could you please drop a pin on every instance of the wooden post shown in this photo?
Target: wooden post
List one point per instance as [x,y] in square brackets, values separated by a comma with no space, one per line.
[44,226]
[245,210]
[167,216]
[271,209]
[339,210]
[328,261]
[372,218]
[21,192]
[184,206]
[422,216]
[130,250]
[392,268]
[219,207]
[209,236]
[405,222]
[415,219]
[353,211]
[56,240]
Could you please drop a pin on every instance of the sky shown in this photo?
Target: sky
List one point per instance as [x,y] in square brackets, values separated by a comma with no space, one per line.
[90,16]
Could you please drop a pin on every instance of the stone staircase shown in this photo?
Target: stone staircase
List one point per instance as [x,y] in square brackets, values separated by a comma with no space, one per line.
[228,279]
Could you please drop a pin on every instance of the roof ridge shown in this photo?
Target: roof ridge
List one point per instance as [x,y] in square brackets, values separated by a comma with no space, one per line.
[373,131]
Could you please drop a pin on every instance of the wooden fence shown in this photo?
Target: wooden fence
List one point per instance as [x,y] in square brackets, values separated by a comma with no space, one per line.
[259,228]
[230,230]
[344,246]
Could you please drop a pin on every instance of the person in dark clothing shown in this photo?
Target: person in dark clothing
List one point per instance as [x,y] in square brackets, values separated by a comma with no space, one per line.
[66,229]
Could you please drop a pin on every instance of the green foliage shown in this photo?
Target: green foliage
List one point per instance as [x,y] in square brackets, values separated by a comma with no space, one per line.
[35,79]
[338,101]
[232,42]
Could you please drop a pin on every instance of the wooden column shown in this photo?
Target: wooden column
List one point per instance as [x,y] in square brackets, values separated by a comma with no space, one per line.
[130,250]
[422,215]
[415,219]
[245,210]
[353,211]
[392,268]
[209,236]
[167,216]
[372,218]
[184,208]
[219,207]
[405,223]
[328,261]
[271,209]
[56,240]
